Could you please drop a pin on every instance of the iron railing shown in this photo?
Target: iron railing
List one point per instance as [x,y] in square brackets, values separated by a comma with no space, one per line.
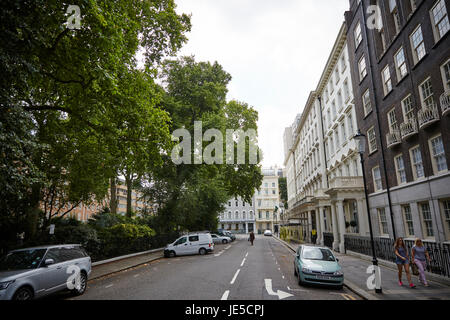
[428,115]
[445,103]
[384,249]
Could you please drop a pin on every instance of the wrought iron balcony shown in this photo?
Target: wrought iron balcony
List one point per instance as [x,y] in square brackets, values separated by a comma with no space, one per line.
[428,115]
[393,138]
[409,128]
[445,103]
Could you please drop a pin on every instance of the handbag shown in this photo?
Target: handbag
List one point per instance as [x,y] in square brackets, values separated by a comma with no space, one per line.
[414,268]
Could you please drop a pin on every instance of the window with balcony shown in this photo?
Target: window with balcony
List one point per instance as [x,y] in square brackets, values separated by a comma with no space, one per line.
[426,93]
[400,169]
[407,218]
[367,103]
[400,64]
[417,44]
[427,220]
[392,121]
[445,71]
[387,82]
[407,108]
[362,68]
[438,155]
[416,162]
[439,20]
[372,140]
[377,183]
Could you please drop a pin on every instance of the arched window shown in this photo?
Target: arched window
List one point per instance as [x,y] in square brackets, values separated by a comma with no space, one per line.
[244,215]
[229,215]
[237,215]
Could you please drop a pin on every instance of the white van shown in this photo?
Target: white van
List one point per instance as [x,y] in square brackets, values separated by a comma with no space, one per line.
[192,243]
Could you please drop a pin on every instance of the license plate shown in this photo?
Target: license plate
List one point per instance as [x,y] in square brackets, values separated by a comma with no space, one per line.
[324,277]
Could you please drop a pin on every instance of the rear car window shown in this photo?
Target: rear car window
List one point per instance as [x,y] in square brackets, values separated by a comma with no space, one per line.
[193,238]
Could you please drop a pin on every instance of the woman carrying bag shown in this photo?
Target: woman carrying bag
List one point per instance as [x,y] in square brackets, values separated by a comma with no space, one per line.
[419,257]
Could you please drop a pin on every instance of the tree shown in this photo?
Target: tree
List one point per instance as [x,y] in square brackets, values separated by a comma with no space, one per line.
[192,196]
[282,183]
[82,89]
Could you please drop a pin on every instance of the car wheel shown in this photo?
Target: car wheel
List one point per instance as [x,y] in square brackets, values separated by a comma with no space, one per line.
[83,285]
[172,254]
[295,271]
[224,241]
[23,293]
[300,282]
[202,251]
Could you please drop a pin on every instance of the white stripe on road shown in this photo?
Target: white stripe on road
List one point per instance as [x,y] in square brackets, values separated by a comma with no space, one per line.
[108,286]
[225,295]
[235,276]
[246,255]
[228,247]
[243,261]
[218,254]
[136,275]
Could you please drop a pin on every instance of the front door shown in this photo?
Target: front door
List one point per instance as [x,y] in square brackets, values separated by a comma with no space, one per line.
[182,246]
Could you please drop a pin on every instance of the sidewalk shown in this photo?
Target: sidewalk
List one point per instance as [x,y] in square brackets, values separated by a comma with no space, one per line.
[104,269]
[356,277]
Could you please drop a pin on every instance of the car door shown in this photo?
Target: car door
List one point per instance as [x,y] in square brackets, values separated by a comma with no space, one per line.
[54,275]
[182,246]
[194,244]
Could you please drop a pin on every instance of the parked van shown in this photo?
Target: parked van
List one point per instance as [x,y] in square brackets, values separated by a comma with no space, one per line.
[192,243]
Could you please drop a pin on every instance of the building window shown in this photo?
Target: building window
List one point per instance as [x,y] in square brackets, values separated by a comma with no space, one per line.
[408,109]
[383,221]
[445,70]
[446,217]
[267,215]
[438,155]
[358,35]
[366,102]
[372,140]
[387,82]
[417,44]
[350,124]
[417,164]
[343,133]
[362,68]
[392,121]
[426,93]
[439,18]
[400,64]
[426,220]
[377,179]
[400,168]
[407,216]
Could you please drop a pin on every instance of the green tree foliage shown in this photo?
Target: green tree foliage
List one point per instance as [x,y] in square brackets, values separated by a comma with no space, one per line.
[85,98]
[283,190]
[191,196]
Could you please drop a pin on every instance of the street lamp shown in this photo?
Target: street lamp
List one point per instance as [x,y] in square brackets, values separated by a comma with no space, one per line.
[361,143]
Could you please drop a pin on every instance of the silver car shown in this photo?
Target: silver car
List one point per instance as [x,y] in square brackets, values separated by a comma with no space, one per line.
[220,239]
[31,273]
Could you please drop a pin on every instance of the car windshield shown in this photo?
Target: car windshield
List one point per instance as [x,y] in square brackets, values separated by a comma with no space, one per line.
[24,259]
[317,254]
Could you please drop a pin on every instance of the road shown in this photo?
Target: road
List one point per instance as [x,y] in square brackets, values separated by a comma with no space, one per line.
[236,271]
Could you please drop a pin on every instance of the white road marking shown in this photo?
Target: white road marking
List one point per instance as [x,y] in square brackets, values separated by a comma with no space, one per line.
[136,275]
[108,286]
[246,255]
[225,295]
[300,290]
[243,261]
[279,293]
[228,247]
[235,276]
[218,254]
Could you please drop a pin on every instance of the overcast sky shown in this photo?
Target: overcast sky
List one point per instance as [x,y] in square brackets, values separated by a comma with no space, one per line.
[275,50]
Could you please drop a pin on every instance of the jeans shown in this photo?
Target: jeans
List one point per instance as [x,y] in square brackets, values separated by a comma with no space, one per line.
[422,266]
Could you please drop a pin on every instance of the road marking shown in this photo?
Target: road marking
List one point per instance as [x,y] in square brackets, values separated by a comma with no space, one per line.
[347,296]
[300,290]
[228,247]
[246,255]
[218,254]
[279,293]
[136,275]
[235,276]
[108,286]
[243,261]
[282,276]
[225,295]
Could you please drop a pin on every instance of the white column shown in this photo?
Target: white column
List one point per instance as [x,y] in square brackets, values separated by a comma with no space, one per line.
[309,229]
[363,218]
[319,217]
[335,227]
[341,222]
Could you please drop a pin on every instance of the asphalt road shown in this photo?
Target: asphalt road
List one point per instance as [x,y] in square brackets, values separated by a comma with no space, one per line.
[236,271]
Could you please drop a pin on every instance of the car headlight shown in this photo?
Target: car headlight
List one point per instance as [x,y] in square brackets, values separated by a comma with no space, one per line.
[306,270]
[4,285]
[338,273]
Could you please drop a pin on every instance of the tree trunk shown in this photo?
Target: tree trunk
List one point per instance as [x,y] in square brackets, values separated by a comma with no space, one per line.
[113,196]
[129,183]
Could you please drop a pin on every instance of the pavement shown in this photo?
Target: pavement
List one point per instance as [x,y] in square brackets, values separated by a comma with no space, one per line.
[356,276]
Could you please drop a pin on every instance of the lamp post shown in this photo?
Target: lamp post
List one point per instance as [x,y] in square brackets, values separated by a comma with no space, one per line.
[361,142]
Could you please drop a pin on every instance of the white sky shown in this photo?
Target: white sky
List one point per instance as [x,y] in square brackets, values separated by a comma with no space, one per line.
[275,50]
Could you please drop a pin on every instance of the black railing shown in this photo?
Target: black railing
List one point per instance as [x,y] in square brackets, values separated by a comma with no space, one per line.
[384,249]
[328,239]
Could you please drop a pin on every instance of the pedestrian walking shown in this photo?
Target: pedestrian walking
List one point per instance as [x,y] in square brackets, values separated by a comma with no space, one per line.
[402,261]
[420,257]
[314,236]
[252,237]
